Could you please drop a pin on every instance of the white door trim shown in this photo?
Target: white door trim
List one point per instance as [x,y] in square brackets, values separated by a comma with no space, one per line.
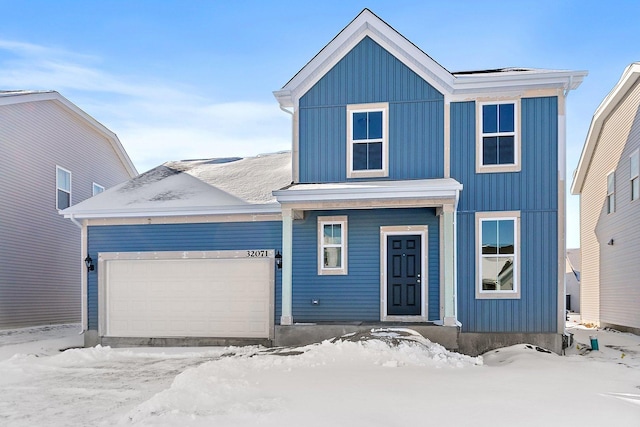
[423,232]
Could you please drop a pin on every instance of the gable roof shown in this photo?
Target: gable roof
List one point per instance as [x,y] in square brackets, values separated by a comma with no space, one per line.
[368,24]
[23,96]
[194,187]
[629,77]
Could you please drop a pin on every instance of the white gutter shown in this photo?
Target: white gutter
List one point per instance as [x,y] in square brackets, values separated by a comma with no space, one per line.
[271,208]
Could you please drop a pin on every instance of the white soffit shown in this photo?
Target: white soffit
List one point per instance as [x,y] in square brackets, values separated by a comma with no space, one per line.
[610,102]
[368,24]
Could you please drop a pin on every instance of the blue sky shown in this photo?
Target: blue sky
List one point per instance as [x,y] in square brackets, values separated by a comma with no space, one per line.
[194,79]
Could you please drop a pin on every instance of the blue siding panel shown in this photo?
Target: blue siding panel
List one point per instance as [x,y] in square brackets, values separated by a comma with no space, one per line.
[356,296]
[179,237]
[534,192]
[370,74]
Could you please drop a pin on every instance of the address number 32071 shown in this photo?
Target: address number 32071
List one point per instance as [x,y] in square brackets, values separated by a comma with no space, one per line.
[257,254]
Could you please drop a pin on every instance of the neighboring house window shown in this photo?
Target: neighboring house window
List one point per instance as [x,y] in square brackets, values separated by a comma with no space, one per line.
[367,140]
[498,259]
[498,147]
[611,192]
[332,245]
[63,188]
[634,163]
[97,188]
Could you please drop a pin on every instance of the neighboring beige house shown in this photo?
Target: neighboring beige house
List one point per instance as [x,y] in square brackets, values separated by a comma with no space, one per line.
[609,187]
[54,155]
[572,280]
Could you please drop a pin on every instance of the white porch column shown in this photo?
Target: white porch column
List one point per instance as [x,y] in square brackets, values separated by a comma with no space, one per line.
[450,282]
[287,252]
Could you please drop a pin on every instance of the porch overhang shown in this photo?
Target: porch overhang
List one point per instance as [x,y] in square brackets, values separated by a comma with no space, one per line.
[370,194]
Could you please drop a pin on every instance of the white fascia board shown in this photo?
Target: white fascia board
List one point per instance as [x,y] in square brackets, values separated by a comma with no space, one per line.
[368,24]
[518,80]
[608,104]
[271,208]
[74,109]
[365,24]
[383,190]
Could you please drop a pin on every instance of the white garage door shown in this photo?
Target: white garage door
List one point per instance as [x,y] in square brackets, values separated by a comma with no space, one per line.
[220,297]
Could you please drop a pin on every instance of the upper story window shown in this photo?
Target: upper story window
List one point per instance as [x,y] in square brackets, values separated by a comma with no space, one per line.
[611,192]
[367,140]
[498,141]
[498,261]
[97,189]
[63,188]
[634,175]
[332,245]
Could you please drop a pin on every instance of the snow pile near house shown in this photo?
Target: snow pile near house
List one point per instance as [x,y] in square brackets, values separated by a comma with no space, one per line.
[235,390]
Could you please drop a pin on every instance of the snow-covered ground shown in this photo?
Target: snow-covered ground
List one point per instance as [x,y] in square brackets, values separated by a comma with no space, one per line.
[386,378]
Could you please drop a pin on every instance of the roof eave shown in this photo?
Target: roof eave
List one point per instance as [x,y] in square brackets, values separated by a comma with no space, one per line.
[256,209]
[445,190]
[96,125]
[628,79]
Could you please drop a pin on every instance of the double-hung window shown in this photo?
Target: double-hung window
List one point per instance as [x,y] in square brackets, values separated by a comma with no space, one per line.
[498,148]
[332,245]
[611,192]
[498,262]
[63,188]
[634,175]
[367,140]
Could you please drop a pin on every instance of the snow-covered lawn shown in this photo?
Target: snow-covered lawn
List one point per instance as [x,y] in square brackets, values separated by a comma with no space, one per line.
[386,378]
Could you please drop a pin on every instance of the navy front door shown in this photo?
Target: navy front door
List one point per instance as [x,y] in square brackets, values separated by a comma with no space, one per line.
[404,275]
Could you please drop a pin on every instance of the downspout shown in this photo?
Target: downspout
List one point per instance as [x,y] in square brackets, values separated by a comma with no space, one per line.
[294,143]
[83,274]
[455,257]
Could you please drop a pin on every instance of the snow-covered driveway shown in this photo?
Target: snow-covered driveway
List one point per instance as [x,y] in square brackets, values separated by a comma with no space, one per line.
[387,378]
[87,386]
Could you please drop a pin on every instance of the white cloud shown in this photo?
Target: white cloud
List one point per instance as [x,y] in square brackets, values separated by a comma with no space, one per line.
[155,120]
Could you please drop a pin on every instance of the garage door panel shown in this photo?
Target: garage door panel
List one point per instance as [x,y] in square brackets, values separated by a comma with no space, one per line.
[189,297]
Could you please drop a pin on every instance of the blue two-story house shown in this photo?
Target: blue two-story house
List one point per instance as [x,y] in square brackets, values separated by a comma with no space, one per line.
[411,196]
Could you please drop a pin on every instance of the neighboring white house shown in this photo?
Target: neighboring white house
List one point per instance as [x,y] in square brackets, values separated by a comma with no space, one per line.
[572,280]
[609,187]
[54,155]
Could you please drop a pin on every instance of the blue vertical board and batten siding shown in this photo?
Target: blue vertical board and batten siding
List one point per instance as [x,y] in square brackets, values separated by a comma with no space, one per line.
[534,192]
[355,296]
[179,237]
[370,74]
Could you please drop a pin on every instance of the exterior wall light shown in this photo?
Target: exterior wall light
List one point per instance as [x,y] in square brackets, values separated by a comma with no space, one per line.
[278,258]
[89,263]
[610,243]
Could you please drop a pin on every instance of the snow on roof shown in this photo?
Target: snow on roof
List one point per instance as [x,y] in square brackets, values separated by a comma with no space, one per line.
[226,185]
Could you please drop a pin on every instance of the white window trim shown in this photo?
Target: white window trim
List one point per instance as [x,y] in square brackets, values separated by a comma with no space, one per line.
[93,188]
[636,177]
[62,189]
[326,220]
[363,108]
[517,148]
[611,195]
[516,292]
[423,231]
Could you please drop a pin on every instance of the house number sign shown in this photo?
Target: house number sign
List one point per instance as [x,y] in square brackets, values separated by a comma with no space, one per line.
[257,254]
